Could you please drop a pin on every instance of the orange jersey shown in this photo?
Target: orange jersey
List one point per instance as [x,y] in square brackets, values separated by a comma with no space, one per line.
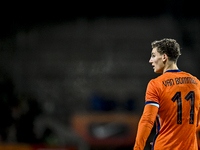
[177,96]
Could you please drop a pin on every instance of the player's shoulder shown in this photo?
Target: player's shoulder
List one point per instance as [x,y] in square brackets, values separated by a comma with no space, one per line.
[159,78]
[188,74]
[156,80]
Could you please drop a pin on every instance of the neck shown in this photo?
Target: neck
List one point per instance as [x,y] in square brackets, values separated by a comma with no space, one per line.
[170,66]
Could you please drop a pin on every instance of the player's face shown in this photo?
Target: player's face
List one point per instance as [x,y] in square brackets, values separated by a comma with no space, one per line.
[156,61]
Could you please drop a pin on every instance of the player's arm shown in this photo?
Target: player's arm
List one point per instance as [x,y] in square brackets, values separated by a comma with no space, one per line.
[145,126]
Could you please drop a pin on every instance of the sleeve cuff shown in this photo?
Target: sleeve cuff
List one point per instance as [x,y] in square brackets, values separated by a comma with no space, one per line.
[152,103]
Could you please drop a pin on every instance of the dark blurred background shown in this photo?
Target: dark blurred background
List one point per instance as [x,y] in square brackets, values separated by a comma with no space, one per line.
[74,74]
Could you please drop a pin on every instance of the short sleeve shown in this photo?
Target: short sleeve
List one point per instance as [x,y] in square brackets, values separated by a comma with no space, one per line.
[152,97]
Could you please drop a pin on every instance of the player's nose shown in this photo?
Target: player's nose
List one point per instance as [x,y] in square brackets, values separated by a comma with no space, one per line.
[150,60]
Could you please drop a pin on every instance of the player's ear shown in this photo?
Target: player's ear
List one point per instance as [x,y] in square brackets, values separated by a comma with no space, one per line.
[164,57]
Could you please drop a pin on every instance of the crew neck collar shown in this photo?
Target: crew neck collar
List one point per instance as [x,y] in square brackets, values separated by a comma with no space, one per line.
[177,70]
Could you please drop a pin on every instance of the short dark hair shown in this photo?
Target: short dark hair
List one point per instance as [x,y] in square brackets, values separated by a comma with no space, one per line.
[169,47]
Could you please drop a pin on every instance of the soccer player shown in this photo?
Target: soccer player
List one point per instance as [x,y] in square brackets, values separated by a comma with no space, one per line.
[172,100]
